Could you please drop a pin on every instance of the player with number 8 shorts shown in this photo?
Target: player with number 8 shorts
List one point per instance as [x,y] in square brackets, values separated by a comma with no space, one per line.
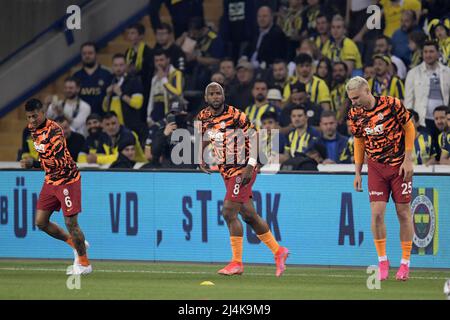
[230,133]
[62,185]
[383,129]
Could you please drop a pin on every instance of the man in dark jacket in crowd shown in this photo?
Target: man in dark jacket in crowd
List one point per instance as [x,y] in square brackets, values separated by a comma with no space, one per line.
[127,154]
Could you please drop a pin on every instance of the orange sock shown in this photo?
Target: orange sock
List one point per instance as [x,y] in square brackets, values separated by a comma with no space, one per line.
[269,240]
[236,248]
[406,249]
[70,242]
[84,260]
[380,245]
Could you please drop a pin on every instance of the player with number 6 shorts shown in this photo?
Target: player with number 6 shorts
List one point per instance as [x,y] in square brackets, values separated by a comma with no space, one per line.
[62,185]
[384,131]
[225,128]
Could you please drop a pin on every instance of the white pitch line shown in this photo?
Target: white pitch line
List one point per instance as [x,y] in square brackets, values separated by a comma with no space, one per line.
[209,273]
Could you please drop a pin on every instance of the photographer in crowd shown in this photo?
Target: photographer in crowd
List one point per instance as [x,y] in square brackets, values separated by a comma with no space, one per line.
[163,142]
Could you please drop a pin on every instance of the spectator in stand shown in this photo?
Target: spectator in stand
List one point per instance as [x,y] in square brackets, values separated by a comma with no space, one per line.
[167,87]
[93,78]
[290,21]
[324,70]
[416,41]
[313,9]
[125,96]
[301,138]
[383,45]
[439,31]
[307,46]
[384,83]
[27,151]
[107,152]
[278,78]
[369,71]
[343,48]
[237,26]
[322,39]
[269,44]
[227,68]
[272,140]
[179,11]
[424,151]
[95,140]
[203,48]
[444,142]
[275,98]
[166,43]
[440,122]
[299,97]
[72,107]
[74,140]
[339,100]
[427,87]
[392,10]
[127,155]
[350,149]
[317,89]
[218,77]
[241,93]
[161,142]
[261,103]
[400,46]
[139,58]
[334,142]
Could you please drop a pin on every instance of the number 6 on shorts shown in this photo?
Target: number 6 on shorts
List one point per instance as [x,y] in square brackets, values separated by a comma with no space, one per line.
[68,202]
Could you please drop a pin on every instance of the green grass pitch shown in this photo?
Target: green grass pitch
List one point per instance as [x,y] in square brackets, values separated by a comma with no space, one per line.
[46,279]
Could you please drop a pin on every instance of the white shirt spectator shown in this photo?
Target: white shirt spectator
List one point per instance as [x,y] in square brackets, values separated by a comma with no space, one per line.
[75,110]
[401,68]
[417,89]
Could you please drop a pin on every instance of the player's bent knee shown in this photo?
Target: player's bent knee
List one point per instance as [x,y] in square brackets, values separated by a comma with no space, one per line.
[42,224]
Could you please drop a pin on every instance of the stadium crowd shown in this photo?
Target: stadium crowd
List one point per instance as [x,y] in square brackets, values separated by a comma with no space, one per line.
[285,63]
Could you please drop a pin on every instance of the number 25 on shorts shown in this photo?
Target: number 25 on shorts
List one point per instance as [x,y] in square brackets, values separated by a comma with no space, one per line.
[406,187]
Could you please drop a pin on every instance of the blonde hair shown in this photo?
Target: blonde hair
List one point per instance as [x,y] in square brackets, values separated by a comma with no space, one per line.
[214,84]
[356,83]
